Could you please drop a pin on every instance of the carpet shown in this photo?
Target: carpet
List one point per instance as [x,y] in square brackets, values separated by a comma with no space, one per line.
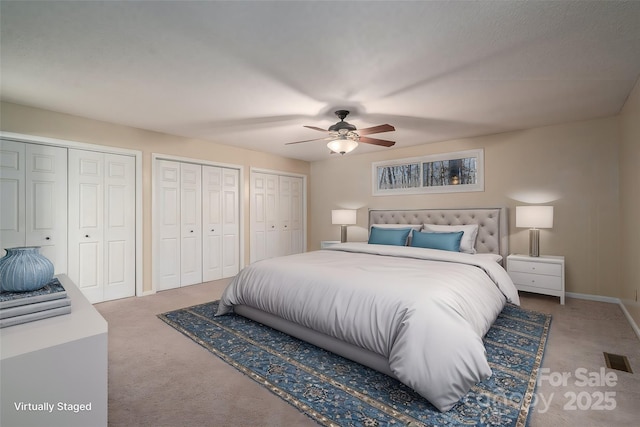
[335,391]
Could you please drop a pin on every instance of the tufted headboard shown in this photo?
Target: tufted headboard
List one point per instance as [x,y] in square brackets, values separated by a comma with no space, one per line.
[492,223]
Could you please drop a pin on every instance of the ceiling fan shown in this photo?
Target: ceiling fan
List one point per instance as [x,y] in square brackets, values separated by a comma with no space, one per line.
[344,137]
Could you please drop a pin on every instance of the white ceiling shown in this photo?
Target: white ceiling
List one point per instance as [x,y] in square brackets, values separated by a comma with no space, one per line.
[252,74]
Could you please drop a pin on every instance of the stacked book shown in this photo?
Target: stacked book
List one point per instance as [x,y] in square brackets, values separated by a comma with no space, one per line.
[24,307]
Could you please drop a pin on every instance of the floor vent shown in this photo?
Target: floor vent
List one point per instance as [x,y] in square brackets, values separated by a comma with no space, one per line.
[617,362]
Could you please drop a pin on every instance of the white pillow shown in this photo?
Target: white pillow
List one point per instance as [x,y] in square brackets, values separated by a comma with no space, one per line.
[413,227]
[468,242]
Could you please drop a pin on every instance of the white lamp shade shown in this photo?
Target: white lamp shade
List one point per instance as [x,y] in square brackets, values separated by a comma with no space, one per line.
[343,216]
[342,146]
[534,216]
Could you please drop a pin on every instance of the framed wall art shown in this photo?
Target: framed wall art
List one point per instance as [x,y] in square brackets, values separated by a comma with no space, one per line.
[459,171]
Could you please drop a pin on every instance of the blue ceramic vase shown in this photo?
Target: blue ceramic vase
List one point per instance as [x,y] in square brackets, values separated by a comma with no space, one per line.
[24,269]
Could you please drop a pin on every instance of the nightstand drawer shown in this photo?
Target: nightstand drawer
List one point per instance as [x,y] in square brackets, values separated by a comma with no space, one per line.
[536,280]
[535,268]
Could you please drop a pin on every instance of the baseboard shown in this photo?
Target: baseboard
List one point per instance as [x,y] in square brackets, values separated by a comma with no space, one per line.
[631,320]
[611,300]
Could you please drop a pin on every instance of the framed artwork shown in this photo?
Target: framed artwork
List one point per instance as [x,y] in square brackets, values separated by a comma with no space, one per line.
[459,171]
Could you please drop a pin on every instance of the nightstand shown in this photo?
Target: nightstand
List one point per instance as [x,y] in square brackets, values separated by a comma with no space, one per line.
[542,275]
[327,243]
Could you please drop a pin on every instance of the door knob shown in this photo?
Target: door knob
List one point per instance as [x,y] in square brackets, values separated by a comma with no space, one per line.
[47,238]
[86,235]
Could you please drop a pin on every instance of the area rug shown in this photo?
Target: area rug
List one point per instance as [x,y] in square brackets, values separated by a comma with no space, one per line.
[338,392]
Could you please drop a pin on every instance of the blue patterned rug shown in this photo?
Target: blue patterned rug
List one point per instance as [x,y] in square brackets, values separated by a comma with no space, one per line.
[338,392]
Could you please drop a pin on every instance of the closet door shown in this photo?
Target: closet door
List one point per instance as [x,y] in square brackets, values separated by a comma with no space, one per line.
[284,200]
[264,216]
[296,221]
[230,222]
[102,224]
[221,222]
[191,224]
[12,191]
[119,226]
[212,248]
[86,208]
[167,219]
[291,234]
[33,187]
[46,202]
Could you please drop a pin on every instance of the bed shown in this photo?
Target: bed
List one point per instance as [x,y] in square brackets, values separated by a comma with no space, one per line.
[416,314]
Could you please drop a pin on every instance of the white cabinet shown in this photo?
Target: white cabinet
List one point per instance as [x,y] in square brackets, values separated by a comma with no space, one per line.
[59,359]
[33,189]
[196,223]
[102,224]
[277,215]
[542,275]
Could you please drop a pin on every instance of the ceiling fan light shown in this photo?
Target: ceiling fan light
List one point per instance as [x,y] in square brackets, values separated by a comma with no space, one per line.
[342,146]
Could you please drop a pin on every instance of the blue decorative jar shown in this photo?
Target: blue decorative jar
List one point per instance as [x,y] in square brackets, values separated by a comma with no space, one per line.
[24,269]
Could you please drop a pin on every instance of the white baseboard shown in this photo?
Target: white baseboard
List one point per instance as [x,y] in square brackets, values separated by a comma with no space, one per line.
[610,300]
[630,318]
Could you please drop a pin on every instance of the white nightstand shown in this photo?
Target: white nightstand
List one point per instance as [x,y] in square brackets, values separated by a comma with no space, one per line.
[542,275]
[327,243]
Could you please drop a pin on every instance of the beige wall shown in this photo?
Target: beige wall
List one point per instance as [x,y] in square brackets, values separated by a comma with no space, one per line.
[38,122]
[630,203]
[572,166]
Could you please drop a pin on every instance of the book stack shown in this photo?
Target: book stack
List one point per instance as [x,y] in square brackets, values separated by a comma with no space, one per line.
[24,307]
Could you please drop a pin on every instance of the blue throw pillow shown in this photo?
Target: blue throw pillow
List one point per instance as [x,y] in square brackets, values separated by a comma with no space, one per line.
[442,241]
[389,236]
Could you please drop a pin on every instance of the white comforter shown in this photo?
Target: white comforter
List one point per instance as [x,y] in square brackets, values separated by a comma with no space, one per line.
[425,310]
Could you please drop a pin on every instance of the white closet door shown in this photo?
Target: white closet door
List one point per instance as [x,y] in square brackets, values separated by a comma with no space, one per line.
[191,224]
[46,202]
[284,199]
[12,192]
[167,218]
[33,189]
[271,217]
[264,216]
[86,231]
[221,222]
[258,238]
[211,223]
[296,221]
[230,222]
[102,224]
[119,226]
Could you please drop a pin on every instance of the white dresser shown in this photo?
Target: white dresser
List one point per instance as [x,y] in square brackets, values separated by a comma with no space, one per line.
[542,275]
[54,371]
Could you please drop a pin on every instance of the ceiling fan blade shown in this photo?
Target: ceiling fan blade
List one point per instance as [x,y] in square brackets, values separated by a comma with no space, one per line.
[306,140]
[316,128]
[376,141]
[376,129]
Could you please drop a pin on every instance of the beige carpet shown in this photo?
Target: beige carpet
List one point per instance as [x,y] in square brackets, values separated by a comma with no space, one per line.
[158,377]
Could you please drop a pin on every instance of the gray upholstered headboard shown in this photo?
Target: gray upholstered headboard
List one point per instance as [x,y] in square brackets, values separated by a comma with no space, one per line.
[492,223]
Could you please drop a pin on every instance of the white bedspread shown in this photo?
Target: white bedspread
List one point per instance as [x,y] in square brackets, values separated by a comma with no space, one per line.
[425,310]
